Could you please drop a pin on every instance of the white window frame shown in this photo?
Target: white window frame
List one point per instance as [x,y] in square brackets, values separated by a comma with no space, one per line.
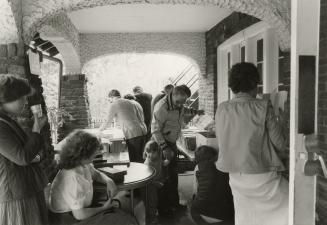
[249,37]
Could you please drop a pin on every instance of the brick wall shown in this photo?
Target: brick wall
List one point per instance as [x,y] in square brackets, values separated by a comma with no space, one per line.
[13,60]
[231,25]
[188,45]
[74,100]
[322,111]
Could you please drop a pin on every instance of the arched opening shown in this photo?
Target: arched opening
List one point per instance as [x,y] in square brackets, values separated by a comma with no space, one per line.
[152,71]
[276,14]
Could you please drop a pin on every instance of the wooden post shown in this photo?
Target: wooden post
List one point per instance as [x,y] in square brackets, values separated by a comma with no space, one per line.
[304,39]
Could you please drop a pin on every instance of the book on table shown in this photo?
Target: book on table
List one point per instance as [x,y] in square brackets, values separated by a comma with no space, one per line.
[112,159]
[116,175]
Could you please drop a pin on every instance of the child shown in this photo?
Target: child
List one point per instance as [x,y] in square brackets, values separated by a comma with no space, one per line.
[214,198]
[153,158]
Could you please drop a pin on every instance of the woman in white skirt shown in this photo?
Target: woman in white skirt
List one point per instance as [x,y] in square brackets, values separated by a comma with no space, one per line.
[250,136]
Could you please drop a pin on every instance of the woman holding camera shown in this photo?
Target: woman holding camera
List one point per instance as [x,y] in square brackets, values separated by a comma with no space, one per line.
[21,180]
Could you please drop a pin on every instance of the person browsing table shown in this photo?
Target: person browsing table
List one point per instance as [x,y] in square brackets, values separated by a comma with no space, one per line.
[167,122]
[129,116]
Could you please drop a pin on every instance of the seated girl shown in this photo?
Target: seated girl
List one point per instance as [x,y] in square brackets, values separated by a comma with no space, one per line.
[213,201]
[72,190]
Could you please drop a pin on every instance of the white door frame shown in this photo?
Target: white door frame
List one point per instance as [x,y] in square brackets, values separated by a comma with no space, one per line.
[304,41]
[249,36]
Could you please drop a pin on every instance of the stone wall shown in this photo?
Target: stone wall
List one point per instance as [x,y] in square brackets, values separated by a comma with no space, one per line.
[62,33]
[322,112]
[74,100]
[188,45]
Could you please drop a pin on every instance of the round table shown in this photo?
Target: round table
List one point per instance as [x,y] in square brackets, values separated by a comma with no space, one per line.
[138,175]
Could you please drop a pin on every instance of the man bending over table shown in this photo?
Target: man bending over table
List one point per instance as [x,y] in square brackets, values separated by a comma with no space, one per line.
[167,122]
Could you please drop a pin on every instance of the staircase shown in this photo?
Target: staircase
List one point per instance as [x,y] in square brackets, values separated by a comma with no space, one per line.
[191,80]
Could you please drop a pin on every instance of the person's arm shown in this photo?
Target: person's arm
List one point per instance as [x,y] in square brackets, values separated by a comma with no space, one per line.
[275,129]
[104,179]
[192,112]
[139,111]
[111,116]
[74,193]
[84,213]
[158,121]
[195,182]
[14,151]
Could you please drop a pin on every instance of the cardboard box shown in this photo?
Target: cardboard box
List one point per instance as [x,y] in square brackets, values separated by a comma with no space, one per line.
[206,138]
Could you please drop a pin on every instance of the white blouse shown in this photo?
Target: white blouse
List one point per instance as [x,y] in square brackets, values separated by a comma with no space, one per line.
[72,189]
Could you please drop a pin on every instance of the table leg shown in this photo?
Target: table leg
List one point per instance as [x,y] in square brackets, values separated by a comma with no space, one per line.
[132,201]
[146,202]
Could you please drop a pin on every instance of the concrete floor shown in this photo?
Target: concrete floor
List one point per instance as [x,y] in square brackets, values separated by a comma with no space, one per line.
[185,193]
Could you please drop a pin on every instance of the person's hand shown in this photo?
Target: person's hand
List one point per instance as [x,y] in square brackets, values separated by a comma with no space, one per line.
[168,153]
[39,123]
[111,188]
[166,162]
[108,204]
[200,112]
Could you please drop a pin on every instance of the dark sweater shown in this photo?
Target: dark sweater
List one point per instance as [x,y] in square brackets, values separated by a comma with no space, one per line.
[145,101]
[214,197]
[19,177]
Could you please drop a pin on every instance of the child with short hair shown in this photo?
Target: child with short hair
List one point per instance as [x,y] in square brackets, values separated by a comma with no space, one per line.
[153,157]
[214,197]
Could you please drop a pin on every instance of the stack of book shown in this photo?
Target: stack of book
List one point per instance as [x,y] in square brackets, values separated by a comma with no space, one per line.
[115,174]
[112,159]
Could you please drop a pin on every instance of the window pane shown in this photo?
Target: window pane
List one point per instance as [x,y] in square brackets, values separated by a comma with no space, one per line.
[243,54]
[260,70]
[260,50]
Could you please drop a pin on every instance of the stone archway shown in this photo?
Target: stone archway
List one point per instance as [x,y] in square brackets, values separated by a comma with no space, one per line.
[186,45]
[123,71]
[276,13]
[60,31]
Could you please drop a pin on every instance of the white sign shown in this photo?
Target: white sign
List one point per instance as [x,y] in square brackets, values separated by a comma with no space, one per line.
[34,60]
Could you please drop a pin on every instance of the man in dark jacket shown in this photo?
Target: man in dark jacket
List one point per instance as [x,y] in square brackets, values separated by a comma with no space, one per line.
[145,101]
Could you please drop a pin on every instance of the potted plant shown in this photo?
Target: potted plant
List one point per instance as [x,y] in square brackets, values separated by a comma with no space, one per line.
[57,118]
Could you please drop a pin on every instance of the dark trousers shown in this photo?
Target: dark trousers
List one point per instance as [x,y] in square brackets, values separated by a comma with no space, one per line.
[135,148]
[168,194]
[152,203]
